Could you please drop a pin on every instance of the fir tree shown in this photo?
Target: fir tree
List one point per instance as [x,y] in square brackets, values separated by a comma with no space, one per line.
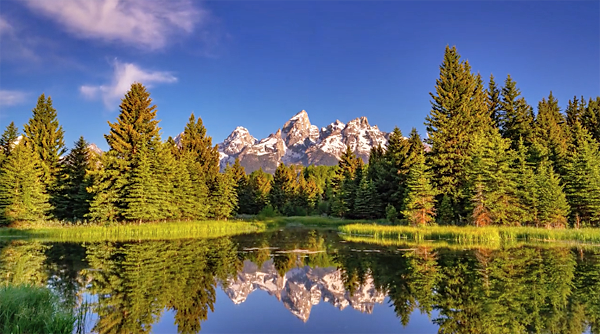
[552,202]
[493,102]
[364,204]
[73,198]
[195,141]
[419,200]
[456,114]
[107,183]
[259,186]
[22,192]
[9,138]
[46,138]
[175,188]
[240,180]
[575,110]
[142,197]
[344,183]
[583,178]
[283,187]
[199,185]
[526,184]
[551,132]
[591,118]
[516,116]
[223,195]
[136,124]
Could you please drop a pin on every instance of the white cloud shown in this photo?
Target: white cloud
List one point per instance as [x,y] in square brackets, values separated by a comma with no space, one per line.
[124,75]
[143,23]
[11,97]
[5,27]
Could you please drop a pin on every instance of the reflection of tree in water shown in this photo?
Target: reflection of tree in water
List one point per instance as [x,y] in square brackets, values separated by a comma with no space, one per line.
[22,262]
[136,281]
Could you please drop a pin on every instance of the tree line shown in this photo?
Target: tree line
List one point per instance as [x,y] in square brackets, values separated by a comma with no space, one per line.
[488,159]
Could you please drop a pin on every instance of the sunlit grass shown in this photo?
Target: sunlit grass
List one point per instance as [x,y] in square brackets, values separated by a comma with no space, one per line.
[146,231]
[27,309]
[470,234]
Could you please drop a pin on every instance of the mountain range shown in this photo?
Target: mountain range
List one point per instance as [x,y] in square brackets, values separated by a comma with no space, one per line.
[302,287]
[300,142]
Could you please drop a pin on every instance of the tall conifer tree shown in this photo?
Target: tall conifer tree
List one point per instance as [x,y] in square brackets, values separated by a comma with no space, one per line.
[9,138]
[516,116]
[493,102]
[552,132]
[224,196]
[420,196]
[591,118]
[553,207]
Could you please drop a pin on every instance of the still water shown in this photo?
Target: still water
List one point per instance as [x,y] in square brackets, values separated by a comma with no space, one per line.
[299,280]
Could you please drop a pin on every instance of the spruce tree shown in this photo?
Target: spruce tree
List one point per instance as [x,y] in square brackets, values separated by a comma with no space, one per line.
[224,196]
[419,200]
[259,189]
[46,138]
[72,200]
[552,133]
[195,141]
[526,184]
[9,138]
[493,102]
[283,188]
[364,207]
[107,184]
[142,197]
[240,180]
[553,207]
[516,116]
[591,118]
[22,192]
[344,187]
[457,112]
[575,110]
[199,184]
[583,178]
[175,189]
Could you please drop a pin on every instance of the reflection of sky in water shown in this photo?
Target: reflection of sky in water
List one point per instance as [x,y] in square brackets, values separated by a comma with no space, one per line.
[262,313]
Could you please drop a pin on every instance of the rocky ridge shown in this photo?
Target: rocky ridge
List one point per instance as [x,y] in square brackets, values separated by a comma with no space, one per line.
[301,288]
[300,142]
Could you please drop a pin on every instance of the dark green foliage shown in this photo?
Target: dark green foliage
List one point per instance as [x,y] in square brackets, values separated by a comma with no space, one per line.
[391,213]
[458,111]
[366,197]
[591,118]
[575,110]
[8,139]
[551,132]
[583,178]
[195,141]
[107,184]
[283,187]
[493,102]
[223,196]
[46,138]
[72,199]
[445,212]
[22,191]
[516,116]
[255,196]
[553,208]
[142,197]
[419,201]
[526,185]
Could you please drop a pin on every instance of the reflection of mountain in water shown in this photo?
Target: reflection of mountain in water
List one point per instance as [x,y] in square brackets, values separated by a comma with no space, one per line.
[301,288]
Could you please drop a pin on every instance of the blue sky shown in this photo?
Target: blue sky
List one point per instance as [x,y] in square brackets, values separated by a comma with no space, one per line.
[257,63]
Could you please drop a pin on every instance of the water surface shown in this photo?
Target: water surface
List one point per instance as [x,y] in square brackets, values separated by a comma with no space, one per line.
[301,280]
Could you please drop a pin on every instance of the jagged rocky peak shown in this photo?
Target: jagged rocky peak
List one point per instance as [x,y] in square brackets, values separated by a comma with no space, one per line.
[93,148]
[237,141]
[298,129]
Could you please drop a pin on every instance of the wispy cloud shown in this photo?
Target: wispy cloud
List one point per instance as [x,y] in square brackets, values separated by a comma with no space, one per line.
[5,27]
[124,75]
[142,23]
[11,97]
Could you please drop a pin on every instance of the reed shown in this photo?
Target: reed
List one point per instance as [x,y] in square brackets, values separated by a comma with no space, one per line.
[27,309]
[471,234]
[146,231]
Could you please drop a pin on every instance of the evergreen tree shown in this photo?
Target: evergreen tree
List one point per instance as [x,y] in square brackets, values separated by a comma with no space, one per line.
[551,132]
[591,118]
[47,139]
[419,201]
[283,188]
[343,183]
[199,185]
[240,180]
[364,204]
[142,197]
[107,183]
[259,186]
[223,195]
[526,184]
[72,201]
[493,102]
[22,192]
[575,110]
[8,139]
[195,141]
[175,189]
[457,112]
[552,202]
[392,186]
[491,180]
[308,193]
[516,116]
[583,178]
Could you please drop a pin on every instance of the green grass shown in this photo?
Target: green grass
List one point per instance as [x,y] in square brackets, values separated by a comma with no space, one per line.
[472,235]
[27,309]
[146,231]
[310,221]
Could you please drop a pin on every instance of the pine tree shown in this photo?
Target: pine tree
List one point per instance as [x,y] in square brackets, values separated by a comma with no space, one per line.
[47,138]
[552,202]
[516,116]
[583,178]
[195,141]
[175,189]
[419,200]
[551,132]
[591,118]
[526,184]
[491,180]
[365,199]
[283,188]
[343,183]
[240,179]
[72,200]
[136,124]
[457,112]
[142,197]
[9,138]
[493,102]
[575,110]
[107,183]
[257,195]
[199,185]
[22,192]
[223,196]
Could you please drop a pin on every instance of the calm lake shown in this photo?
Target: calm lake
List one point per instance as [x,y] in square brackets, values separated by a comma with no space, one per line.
[302,280]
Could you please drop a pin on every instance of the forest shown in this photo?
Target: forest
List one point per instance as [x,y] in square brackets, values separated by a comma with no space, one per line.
[487,159]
